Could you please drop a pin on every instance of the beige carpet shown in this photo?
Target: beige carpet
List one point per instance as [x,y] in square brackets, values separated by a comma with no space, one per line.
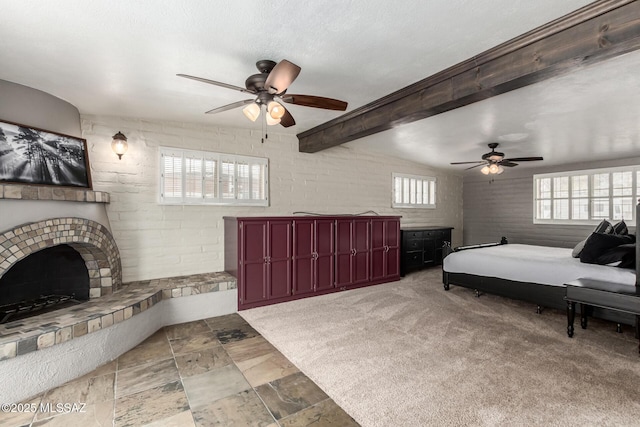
[410,354]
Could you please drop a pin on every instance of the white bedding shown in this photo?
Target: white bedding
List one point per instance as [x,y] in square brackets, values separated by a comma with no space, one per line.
[535,264]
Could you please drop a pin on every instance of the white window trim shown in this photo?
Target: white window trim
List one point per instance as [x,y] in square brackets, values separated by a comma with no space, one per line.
[219,157]
[412,205]
[590,172]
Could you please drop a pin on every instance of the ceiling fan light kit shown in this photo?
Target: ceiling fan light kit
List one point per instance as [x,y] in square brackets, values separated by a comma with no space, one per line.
[271,121]
[494,162]
[275,109]
[252,111]
[270,86]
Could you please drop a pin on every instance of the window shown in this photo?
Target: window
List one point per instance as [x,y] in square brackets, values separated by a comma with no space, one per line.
[584,197]
[202,177]
[413,191]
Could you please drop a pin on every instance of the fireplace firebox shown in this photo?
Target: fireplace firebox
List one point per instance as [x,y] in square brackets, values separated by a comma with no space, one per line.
[47,279]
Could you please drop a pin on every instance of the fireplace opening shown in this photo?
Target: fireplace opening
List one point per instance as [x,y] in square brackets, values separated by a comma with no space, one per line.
[46,280]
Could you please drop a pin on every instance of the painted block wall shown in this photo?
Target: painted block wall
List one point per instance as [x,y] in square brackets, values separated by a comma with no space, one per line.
[505,208]
[163,240]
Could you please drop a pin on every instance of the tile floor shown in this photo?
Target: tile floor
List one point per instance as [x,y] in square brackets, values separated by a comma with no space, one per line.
[212,372]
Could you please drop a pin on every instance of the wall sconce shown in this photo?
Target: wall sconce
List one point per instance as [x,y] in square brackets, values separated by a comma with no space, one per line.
[119,144]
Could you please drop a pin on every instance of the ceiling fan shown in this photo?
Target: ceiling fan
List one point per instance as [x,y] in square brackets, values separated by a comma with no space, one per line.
[494,161]
[270,86]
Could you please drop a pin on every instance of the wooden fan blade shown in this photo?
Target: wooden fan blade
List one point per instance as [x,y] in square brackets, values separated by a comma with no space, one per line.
[213,82]
[467,163]
[287,120]
[282,75]
[316,102]
[230,106]
[473,167]
[523,159]
[507,163]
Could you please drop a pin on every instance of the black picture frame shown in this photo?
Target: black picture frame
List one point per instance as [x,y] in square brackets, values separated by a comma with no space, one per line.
[29,155]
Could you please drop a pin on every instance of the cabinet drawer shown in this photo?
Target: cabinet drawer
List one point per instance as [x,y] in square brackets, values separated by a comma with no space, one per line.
[412,234]
[433,234]
[412,245]
[412,259]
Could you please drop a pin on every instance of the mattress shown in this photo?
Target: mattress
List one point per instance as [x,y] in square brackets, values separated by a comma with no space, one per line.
[534,264]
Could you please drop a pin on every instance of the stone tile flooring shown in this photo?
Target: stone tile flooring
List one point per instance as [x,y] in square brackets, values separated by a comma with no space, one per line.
[212,372]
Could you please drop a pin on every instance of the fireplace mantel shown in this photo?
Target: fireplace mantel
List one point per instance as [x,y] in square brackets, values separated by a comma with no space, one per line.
[44,192]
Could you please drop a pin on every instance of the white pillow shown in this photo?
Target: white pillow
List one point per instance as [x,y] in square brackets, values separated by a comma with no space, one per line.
[578,248]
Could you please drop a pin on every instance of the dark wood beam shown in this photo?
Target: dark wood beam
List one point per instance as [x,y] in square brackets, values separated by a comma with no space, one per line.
[597,32]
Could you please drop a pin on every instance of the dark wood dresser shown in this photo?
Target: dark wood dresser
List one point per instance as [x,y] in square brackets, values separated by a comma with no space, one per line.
[421,247]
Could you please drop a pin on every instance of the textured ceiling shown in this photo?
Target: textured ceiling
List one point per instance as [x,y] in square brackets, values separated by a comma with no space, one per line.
[120,57]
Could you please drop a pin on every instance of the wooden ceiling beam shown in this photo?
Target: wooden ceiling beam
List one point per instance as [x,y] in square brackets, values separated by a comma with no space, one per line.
[594,33]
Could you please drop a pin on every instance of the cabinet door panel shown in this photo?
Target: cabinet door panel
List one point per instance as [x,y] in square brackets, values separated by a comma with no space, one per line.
[324,237]
[361,259]
[325,249]
[378,260]
[280,255]
[343,236]
[279,278]
[377,233]
[254,236]
[361,235]
[393,233]
[253,277]
[279,240]
[361,267]
[254,283]
[343,252]
[303,247]
[393,262]
[324,272]
[343,269]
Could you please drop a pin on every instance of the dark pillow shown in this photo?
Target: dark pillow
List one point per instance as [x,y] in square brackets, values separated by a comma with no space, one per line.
[623,255]
[620,228]
[597,244]
[604,227]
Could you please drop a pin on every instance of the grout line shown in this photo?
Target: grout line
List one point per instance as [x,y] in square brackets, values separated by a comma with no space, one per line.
[184,389]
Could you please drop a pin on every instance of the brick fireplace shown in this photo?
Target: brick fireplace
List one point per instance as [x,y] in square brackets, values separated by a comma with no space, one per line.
[91,240]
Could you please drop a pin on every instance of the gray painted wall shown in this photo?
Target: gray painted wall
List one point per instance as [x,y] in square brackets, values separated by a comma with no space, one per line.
[32,107]
[505,208]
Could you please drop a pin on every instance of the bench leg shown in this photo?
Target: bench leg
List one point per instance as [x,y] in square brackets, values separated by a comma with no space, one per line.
[571,314]
[583,316]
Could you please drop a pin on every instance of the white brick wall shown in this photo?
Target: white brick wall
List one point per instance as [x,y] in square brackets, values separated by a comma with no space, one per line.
[160,241]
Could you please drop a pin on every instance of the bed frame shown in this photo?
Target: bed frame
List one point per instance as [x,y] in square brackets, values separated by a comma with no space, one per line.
[539,294]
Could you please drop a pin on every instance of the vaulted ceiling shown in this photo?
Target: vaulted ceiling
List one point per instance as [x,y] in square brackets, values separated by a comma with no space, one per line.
[121,58]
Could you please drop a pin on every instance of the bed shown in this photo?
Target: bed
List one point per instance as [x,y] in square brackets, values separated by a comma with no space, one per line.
[536,274]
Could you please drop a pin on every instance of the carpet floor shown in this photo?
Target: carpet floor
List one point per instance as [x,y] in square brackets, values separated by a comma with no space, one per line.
[409,353]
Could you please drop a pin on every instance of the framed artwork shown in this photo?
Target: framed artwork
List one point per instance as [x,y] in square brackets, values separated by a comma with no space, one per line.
[30,155]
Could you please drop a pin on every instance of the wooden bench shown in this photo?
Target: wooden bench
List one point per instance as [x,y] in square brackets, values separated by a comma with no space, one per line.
[598,293]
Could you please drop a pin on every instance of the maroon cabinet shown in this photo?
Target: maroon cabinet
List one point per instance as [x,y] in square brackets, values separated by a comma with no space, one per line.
[313,255]
[278,259]
[353,252]
[264,268]
[385,249]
